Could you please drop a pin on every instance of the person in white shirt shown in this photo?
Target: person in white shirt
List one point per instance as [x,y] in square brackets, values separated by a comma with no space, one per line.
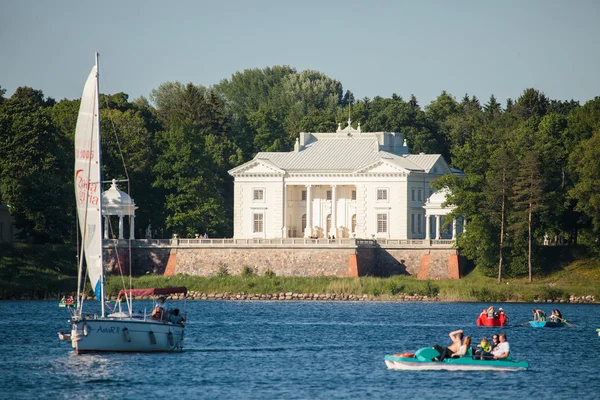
[160,310]
[503,348]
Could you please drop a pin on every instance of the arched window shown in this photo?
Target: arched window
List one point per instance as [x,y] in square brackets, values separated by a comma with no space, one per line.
[303,223]
[328,224]
[354,223]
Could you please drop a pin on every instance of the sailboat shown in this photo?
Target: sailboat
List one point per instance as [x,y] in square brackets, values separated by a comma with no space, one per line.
[122,330]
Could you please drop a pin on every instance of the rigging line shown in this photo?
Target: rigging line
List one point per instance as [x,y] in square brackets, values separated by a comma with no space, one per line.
[130,305]
[119,266]
[112,122]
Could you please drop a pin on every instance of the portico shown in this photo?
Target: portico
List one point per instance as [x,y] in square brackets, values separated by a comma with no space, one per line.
[434,208]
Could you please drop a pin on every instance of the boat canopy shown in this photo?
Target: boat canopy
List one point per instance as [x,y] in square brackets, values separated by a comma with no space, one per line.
[152,291]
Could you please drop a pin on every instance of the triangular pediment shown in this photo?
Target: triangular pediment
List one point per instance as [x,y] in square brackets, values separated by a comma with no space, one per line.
[440,166]
[257,167]
[382,166]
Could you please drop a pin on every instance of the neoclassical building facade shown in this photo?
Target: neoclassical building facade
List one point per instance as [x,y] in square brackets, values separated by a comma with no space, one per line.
[343,184]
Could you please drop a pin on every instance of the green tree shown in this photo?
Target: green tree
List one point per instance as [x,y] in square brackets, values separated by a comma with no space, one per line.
[492,108]
[497,194]
[191,170]
[531,103]
[528,199]
[34,178]
[584,161]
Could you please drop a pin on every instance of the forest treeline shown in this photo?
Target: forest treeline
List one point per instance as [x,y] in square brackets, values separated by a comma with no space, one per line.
[532,165]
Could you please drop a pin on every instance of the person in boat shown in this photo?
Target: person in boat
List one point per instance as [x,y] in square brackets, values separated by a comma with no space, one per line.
[502,316]
[175,317]
[491,313]
[456,337]
[538,315]
[484,345]
[493,346]
[501,348]
[556,316]
[464,348]
[160,310]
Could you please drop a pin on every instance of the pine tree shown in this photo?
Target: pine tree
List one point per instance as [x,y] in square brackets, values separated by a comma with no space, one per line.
[527,198]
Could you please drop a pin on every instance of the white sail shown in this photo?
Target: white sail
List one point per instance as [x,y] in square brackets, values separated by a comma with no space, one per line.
[88,187]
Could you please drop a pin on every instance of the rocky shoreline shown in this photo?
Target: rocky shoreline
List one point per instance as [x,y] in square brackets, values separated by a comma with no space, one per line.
[291,296]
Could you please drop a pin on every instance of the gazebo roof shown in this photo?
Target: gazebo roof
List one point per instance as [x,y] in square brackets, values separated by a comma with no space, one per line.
[117,202]
[434,204]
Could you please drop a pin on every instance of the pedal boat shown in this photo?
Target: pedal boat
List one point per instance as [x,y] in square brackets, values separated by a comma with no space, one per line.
[546,324]
[423,360]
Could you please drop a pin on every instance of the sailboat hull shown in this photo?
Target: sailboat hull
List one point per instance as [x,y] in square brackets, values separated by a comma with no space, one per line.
[125,335]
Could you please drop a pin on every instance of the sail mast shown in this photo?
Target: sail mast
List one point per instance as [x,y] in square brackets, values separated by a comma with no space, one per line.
[99,180]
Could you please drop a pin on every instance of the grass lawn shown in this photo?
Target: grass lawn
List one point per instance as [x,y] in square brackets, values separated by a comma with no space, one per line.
[36,272]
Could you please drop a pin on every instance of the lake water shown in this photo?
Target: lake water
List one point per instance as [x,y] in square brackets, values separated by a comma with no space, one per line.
[300,350]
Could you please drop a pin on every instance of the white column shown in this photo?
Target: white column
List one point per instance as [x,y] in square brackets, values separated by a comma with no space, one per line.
[285,227]
[437,227]
[427,226]
[333,211]
[308,231]
[454,229]
[106,227]
[132,227]
[464,224]
[120,226]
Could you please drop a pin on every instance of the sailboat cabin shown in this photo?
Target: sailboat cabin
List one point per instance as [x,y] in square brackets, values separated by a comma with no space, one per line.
[343,184]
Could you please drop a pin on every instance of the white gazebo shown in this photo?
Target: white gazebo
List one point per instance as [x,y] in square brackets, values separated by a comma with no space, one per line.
[434,208]
[117,202]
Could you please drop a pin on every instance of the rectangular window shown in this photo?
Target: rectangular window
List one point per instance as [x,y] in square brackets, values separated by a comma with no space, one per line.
[420,195]
[303,198]
[353,195]
[382,225]
[412,194]
[382,194]
[259,194]
[328,194]
[419,223]
[412,223]
[258,223]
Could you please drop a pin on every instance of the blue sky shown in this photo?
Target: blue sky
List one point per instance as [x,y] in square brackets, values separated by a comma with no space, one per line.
[374,48]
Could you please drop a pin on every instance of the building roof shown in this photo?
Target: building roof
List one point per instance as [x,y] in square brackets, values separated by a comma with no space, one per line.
[116,202]
[345,154]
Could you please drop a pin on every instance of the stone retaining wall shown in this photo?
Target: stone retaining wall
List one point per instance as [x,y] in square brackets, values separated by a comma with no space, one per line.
[285,261]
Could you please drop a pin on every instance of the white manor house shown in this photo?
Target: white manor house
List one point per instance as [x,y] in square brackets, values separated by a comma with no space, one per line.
[343,184]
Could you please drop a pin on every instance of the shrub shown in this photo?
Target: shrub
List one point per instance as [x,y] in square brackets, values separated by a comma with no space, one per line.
[395,287]
[553,293]
[223,270]
[430,290]
[270,274]
[486,295]
[247,271]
